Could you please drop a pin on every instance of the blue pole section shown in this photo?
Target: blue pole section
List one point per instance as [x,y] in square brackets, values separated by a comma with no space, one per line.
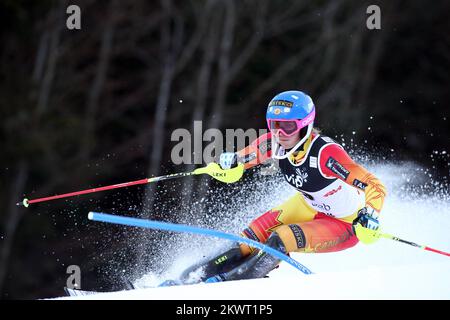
[134,222]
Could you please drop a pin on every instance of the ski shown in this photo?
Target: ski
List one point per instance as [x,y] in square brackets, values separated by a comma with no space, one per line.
[128,285]
[79,293]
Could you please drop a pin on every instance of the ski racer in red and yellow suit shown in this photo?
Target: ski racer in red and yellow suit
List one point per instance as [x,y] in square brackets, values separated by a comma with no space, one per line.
[332,189]
[334,193]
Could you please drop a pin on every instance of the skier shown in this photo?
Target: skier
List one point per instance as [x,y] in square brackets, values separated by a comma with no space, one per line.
[334,194]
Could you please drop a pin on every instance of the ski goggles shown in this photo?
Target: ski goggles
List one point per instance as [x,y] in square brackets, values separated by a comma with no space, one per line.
[289,127]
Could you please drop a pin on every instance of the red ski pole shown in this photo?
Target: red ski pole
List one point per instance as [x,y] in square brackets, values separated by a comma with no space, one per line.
[388,236]
[212,169]
[365,234]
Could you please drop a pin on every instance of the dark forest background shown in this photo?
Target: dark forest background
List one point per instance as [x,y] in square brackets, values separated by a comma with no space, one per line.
[96,106]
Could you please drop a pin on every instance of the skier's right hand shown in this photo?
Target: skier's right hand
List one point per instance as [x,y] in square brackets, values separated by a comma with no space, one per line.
[228,160]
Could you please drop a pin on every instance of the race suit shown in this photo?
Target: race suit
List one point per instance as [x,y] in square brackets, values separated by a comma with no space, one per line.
[331,187]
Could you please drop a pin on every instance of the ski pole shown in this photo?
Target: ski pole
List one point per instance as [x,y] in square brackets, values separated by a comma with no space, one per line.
[150,224]
[365,233]
[212,169]
[388,236]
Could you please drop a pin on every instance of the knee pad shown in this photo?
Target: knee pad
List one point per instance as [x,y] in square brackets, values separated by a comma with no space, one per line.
[275,242]
[249,234]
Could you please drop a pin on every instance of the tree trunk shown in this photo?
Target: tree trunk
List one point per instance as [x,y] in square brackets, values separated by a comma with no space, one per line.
[162,104]
[12,221]
[203,85]
[97,85]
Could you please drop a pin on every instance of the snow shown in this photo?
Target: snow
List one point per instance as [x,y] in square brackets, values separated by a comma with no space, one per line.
[384,270]
[422,281]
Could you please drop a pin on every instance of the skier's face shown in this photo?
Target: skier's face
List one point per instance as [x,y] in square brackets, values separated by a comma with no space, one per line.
[287,142]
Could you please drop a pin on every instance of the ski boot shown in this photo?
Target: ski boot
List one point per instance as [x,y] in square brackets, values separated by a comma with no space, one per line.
[257,265]
[219,264]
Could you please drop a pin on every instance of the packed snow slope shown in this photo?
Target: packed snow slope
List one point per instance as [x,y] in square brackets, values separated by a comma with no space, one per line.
[417,209]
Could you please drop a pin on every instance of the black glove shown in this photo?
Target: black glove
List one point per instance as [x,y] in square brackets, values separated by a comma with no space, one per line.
[368,218]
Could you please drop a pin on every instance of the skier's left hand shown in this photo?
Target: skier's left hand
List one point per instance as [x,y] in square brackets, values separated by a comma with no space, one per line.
[366,224]
[368,218]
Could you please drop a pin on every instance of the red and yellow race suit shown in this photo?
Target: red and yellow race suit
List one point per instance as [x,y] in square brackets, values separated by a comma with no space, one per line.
[332,189]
